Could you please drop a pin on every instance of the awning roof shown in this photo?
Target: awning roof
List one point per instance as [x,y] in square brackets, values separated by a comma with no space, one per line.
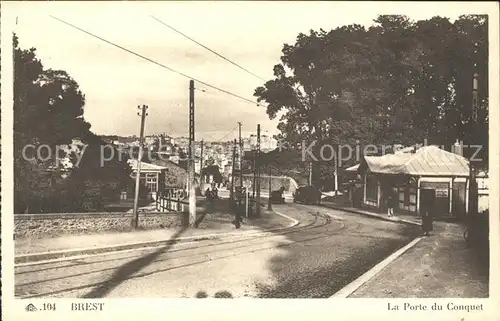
[145,166]
[426,161]
[352,168]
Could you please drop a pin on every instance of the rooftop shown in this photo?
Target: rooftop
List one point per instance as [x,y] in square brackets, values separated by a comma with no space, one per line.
[145,166]
[426,160]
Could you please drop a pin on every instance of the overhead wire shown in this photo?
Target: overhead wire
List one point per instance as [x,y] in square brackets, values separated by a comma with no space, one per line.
[225,136]
[159,64]
[211,50]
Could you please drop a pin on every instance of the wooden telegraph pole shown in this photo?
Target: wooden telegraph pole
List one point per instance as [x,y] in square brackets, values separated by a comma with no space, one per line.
[473,199]
[257,178]
[472,170]
[241,157]
[143,114]
[254,168]
[269,202]
[336,173]
[191,173]
[310,172]
[236,205]
[201,168]
[231,196]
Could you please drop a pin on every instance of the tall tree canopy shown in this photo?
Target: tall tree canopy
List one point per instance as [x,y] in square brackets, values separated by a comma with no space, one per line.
[397,82]
[48,112]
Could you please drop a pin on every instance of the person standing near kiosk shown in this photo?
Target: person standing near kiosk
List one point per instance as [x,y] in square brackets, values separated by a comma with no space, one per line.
[427,201]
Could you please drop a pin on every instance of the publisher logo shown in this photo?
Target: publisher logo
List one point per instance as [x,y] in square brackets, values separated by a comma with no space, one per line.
[31,308]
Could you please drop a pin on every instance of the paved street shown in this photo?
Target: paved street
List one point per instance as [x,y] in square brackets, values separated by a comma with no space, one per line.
[325,252]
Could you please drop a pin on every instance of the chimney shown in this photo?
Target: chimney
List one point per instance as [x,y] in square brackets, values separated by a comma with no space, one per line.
[457,148]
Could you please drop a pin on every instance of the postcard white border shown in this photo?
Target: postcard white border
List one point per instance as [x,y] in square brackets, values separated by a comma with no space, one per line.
[241,309]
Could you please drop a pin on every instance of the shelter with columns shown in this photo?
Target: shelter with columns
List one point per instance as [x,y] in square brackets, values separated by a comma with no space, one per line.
[407,172]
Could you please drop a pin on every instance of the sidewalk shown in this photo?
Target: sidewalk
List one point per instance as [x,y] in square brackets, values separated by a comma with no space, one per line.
[48,248]
[437,266]
[73,242]
[409,219]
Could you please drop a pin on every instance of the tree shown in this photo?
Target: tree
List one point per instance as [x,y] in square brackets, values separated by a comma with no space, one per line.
[212,170]
[397,82]
[96,178]
[48,113]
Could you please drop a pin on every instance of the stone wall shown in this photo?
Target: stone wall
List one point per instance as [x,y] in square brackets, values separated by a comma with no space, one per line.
[53,225]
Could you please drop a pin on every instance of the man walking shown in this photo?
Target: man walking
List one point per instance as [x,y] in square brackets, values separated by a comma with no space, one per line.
[210,200]
[427,211]
[390,203]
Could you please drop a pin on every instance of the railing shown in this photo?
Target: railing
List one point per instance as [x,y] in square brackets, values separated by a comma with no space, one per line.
[172,200]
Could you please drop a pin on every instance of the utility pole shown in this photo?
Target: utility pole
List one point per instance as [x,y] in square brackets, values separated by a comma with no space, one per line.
[231,193]
[257,178]
[472,170]
[241,157]
[191,172]
[472,199]
[269,203]
[310,172]
[201,168]
[254,167]
[143,114]
[336,174]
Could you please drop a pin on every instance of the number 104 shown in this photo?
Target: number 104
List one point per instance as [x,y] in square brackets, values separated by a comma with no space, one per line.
[49,307]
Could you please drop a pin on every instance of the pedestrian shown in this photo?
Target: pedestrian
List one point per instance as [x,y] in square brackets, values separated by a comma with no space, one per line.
[427,211]
[209,199]
[238,217]
[427,221]
[390,204]
[215,192]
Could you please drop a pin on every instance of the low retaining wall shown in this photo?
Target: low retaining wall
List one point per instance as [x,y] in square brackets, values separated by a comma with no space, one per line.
[52,225]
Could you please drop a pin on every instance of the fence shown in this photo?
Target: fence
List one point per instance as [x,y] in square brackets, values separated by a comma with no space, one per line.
[172,199]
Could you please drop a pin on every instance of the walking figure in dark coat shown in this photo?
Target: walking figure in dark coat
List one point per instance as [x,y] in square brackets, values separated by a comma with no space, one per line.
[427,211]
[391,203]
[210,199]
[427,221]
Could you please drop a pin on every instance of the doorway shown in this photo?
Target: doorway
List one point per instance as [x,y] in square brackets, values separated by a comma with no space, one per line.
[427,200]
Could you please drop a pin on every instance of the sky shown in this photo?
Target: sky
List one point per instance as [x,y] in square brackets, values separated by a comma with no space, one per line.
[251,34]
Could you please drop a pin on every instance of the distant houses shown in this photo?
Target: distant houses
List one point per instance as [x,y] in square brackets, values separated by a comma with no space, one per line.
[159,175]
[152,176]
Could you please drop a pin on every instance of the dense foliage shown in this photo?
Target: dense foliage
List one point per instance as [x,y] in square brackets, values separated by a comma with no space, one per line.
[48,112]
[397,82]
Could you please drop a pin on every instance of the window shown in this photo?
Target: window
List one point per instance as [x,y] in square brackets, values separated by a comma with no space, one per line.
[151,182]
[410,189]
[371,188]
[407,196]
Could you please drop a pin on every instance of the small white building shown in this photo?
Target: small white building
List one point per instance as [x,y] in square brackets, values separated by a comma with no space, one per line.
[406,172]
[152,176]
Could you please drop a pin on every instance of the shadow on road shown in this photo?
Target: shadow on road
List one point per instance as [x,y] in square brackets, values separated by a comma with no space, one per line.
[331,253]
[128,269]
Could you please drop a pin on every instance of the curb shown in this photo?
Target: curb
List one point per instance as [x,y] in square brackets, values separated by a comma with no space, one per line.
[45,256]
[370,215]
[346,291]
